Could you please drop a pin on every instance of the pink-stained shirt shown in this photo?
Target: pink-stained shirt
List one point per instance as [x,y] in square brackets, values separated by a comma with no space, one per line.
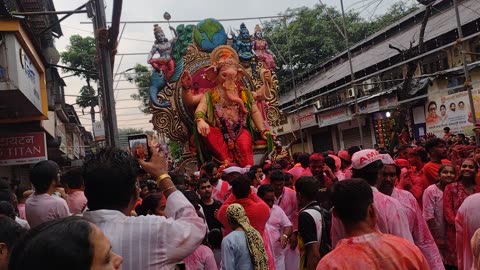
[433,209]
[21,211]
[152,242]
[418,226]
[77,202]
[467,222]
[475,242]
[201,259]
[220,190]
[374,251]
[391,218]
[258,214]
[296,171]
[274,229]
[288,202]
[40,208]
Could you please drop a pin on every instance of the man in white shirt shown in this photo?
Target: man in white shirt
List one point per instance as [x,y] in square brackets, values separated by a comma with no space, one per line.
[144,242]
[391,215]
[42,206]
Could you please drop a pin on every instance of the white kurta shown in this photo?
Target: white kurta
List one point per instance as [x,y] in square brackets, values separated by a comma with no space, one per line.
[153,242]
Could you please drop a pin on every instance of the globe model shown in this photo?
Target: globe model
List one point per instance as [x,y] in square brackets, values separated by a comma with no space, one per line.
[209,34]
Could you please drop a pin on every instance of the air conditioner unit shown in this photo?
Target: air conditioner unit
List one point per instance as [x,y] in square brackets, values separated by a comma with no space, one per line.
[350,93]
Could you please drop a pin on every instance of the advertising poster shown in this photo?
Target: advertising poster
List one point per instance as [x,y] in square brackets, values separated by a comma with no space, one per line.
[453,111]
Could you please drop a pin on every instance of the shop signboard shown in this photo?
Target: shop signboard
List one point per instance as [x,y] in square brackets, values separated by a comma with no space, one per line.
[333,117]
[306,118]
[22,148]
[21,72]
[369,106]
[444,110]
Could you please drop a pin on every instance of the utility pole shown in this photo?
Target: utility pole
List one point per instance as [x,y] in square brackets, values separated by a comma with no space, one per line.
[468,79]
[106,76]
[294,84]
[352,75]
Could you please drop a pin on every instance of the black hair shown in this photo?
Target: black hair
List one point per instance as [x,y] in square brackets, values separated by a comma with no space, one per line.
[55,245]
[6,209]
[240,186]
[330,162]
[149,203]
[73,178]
[369,172]
[193,198]
[20,190]
[264,189]
[202,180]
[304,159]
[353,149]
[445,107]
[208,168]
[351,199]
[431,103]
[215,237]
[178,179]
[255,167]
[110,179]
[10,232]
[422,153]
[447,129]
[283,163]
[307,186]
[6,195]
[42,174]
[434,142]
[276,176]
[461,135]
[4,184]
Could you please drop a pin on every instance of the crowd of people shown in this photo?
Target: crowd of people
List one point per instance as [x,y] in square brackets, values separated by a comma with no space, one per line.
[417,208]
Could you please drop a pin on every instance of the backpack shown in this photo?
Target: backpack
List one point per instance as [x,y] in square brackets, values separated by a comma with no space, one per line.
[326,216]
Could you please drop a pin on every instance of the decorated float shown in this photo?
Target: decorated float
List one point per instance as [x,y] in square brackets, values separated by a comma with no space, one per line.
[216,93]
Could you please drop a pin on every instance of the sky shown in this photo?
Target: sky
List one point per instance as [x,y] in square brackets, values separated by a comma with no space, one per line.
[138,38]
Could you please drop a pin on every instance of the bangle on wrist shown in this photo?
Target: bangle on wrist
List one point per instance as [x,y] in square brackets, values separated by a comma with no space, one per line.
[286,236]
[162,177]
[168,188]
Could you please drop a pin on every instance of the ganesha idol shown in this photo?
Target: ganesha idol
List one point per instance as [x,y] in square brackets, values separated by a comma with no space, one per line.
[226,115]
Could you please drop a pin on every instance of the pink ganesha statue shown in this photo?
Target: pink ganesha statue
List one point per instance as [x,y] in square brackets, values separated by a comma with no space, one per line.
[227,113]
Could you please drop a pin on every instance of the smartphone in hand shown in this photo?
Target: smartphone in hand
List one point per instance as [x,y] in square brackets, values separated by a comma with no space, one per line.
[139,146]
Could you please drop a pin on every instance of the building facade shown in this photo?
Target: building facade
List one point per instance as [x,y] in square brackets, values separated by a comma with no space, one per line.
[327,102]
[35,122]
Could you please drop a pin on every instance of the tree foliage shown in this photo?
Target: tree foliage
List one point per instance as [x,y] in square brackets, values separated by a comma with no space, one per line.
[141,78]
[314,38]
[80,54]
[87,98]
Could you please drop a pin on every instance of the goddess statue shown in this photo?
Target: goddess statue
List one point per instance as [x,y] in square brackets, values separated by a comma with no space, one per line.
[262,52]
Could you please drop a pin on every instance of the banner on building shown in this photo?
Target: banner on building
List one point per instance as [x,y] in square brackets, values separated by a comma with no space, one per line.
[444,110]
[22,148]
[99,130]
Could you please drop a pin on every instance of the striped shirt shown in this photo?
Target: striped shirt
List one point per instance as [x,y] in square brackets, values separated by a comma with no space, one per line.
[152,242]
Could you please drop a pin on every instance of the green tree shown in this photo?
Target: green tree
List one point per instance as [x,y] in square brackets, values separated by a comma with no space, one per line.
[80,55]
[80,60]
[314,38]
[141,78]
[88,98]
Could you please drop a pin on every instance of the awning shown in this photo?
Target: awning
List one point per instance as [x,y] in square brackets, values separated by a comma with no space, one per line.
[334,121]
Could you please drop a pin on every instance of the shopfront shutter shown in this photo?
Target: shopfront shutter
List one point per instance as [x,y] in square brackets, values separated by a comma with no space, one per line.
[351,137]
